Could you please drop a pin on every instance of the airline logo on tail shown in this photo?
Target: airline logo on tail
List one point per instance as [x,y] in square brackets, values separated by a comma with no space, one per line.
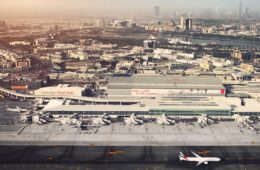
[198,159]
[183,157]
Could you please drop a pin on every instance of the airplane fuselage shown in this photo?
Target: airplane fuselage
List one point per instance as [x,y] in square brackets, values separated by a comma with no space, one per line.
[203,159]
[198,159]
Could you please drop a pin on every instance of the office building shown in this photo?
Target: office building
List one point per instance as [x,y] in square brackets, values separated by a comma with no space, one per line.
[150,43]
[183,20]
[188,24]
[240,10]
[157,12]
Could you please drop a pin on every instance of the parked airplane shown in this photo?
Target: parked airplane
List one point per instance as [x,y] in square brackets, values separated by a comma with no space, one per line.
[198,159]
[17,109]
[164,120]
[103,120]
[134,120]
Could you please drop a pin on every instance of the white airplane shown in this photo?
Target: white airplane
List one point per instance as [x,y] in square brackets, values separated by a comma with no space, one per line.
[133,119]
[198,159]
[164,120]
[17,109]
[205,120]
[103,120]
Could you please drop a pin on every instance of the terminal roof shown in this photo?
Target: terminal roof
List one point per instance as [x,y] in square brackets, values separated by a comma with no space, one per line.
[162,82]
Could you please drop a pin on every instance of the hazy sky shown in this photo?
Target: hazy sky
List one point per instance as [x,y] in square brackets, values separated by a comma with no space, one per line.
[115,7]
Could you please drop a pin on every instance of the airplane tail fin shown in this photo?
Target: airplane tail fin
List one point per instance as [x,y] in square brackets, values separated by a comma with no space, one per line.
[182,156]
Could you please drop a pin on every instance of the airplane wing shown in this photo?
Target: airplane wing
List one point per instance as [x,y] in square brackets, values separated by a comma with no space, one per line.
[196,155]
[199,163]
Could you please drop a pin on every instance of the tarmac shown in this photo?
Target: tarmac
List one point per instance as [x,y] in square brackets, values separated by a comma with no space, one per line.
[149,134]
[119,146]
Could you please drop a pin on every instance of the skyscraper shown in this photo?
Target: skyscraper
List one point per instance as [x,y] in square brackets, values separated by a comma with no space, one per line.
[188,24]
[3,25]
[246,13]
[157,12]
[183,23]
[240,10]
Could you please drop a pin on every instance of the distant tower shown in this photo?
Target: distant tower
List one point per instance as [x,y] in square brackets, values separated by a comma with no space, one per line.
[240,11]
[188,25]
[183,23]
[157,12]
[246,13]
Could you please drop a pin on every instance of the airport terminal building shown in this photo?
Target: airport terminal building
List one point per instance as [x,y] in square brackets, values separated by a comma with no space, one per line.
[61,90]
[175,106]
[165,86]
[171,95]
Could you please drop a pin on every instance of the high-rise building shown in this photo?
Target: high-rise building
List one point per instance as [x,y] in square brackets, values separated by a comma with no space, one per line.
[188,24]
[246,13]
[183,20]
[3,25]
[240,10]
[157,12]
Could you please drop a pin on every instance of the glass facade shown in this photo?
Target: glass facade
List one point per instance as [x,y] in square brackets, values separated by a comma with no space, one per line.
[190,112]
[96,113]
[160,112]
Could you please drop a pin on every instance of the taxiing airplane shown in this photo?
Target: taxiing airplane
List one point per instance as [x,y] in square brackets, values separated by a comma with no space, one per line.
[198,159]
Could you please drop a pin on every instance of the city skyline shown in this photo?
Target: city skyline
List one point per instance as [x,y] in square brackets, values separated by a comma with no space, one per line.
[120,7]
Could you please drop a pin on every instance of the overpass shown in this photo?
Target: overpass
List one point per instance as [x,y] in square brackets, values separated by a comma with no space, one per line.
[15,95]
